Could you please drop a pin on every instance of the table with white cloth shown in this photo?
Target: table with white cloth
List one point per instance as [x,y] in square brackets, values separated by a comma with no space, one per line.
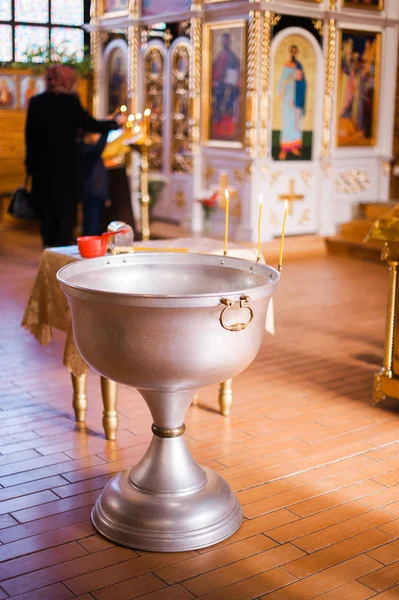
[48,308]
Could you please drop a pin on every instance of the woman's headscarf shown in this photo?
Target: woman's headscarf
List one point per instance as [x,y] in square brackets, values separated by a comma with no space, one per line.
[61,79]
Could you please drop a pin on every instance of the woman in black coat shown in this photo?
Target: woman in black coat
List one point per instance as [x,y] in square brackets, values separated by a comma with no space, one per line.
[52,153]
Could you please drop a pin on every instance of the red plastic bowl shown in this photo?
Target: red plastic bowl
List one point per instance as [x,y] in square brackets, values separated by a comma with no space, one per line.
[91,246]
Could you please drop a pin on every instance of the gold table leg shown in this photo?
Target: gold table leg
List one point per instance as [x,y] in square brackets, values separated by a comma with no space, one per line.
[109,391]
[226,397]
[79,401]
[384,382]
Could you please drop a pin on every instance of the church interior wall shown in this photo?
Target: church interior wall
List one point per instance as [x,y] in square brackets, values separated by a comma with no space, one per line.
[327,187]
[327,176]
[12,127]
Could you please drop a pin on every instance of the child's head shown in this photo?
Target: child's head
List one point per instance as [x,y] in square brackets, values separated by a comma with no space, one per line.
[90,138]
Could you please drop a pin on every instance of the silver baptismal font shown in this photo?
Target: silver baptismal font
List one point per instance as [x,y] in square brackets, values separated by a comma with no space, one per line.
[168,324]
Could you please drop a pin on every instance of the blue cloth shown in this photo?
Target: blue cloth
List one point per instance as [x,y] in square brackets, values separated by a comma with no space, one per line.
[293,105]
[95,185]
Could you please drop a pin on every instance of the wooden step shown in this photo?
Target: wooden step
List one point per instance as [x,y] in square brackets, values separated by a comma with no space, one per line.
[374,210]
[355,230]
[342,246]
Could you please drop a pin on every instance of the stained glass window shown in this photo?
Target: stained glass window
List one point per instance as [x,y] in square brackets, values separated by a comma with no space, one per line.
[31,12]
[5,43]
[27,38]
[67,12]
[5,10]
[67,41]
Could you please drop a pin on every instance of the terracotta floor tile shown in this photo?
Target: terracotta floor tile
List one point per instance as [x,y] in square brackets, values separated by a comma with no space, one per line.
[63,467]
[342,531]
[358,492]
[317,522]
[332,555]
[175,592]
[55,507]
[51,592]
[132,588]
[306,447]
[330,579]
[381,498]
[350,591]
[391,527]
[213,559]
[383,579]
[66,490]
[285,499]
[95,543]
[40,560]
[19,532]
[392,594]
[121,572]
[253,586]
[252,527]
[387,554]
[246,568]
[57,573]
[266,490]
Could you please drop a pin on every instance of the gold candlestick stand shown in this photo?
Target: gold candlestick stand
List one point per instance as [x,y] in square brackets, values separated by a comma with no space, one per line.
[386,382]
[145,198]
[142,144]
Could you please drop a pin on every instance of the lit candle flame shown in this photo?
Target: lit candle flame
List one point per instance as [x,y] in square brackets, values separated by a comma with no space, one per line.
[123,108]
[138,116]
[137,129]
[147,112]
[130,117]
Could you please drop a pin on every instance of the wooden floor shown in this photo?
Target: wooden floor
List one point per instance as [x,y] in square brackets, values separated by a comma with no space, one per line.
[314,466]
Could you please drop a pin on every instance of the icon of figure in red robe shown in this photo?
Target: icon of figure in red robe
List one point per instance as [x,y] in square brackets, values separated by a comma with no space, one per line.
[226,78]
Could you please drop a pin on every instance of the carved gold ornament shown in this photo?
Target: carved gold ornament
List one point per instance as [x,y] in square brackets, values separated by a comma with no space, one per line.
[271,176]
[209,172]
[252,81]
[326,168]
[180,199]
[386,167]
[305,217]
[307,177]
[352,182]
[273,219]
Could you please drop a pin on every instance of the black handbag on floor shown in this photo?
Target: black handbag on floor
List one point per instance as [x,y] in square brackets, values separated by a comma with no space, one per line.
[22,205]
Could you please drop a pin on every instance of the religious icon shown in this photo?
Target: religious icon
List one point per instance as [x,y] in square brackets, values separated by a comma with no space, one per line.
[158,7]
[365,4]
[30,85]
[117,85]
[115,5]
[358,84]
[293,99]
[8,91]
[224,107]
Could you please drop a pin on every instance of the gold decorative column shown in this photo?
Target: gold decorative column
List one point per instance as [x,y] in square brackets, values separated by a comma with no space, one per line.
[195,75]
[109,391]
[386,382]
[329,82]
[133,36]
[251,124]
[79,400]
[95,54]
[264,82]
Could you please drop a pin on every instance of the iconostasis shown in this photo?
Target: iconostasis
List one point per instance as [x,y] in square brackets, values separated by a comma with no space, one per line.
[251,96]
